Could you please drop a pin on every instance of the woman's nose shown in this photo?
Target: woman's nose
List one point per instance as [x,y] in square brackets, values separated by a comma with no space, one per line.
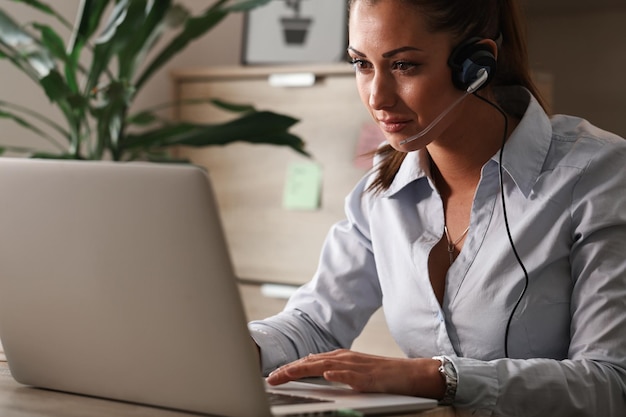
[382,92]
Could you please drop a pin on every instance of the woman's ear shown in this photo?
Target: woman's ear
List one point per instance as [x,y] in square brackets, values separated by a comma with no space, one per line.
[492,45]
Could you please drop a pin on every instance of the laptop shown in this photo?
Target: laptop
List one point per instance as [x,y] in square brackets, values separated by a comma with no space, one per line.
[116,282]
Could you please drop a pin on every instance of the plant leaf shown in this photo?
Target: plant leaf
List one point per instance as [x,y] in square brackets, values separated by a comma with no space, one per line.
[224,105]
[52,41]
[194,28]
[47,155]
[143,118]
[148,116]
[149,31]
[87,22]
[17,109]
[110,114]
[73,106]
[232,107]
[25,51]
[260,127]
[29,126]
[18,149]
[109,42]
[55,87]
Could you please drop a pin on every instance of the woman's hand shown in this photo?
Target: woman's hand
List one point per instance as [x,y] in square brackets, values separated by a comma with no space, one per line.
[367,373]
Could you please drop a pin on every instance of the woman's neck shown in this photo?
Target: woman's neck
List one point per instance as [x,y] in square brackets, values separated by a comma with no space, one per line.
[459,155]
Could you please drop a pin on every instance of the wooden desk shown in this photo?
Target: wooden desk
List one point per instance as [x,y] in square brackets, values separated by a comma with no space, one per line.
[17,400]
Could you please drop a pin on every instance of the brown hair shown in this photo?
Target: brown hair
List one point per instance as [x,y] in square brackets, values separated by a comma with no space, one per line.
[467,19]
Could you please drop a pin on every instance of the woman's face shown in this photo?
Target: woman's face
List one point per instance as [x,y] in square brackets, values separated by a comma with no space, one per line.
[402,72]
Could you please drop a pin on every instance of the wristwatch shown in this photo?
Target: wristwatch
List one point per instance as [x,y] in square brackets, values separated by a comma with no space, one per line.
[448,373]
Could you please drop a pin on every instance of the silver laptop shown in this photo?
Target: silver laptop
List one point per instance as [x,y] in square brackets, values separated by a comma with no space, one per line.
[116,282]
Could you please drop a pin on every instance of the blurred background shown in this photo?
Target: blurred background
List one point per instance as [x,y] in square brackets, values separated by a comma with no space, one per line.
[579,44]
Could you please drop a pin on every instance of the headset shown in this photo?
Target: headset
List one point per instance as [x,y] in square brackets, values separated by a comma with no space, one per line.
[466,62]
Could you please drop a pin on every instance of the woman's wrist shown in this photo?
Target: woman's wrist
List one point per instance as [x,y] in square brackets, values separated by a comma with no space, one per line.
[428,381]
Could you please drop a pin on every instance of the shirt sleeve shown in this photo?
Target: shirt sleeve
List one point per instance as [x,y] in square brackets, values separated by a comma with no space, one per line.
[332,309]
[540,387]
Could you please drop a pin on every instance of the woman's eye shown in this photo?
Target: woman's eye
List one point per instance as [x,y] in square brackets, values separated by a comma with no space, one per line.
[359,64]
[404,66]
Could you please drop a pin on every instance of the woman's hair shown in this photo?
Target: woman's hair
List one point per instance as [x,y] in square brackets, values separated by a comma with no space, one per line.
[493,19]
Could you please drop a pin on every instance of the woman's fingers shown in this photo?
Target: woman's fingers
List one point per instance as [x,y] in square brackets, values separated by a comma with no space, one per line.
[309,366]
[357,368]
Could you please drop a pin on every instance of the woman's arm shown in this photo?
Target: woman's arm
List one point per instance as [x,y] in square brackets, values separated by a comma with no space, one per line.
[331,310]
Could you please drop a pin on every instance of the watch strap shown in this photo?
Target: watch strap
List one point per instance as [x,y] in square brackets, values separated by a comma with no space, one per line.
[449,374]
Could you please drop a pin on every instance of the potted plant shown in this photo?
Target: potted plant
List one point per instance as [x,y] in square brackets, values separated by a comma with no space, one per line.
[94,77]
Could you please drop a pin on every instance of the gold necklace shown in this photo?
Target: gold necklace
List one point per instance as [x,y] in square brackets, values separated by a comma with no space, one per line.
[451,244]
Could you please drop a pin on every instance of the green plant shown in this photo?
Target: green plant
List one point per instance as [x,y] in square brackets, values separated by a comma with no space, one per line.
[95,76]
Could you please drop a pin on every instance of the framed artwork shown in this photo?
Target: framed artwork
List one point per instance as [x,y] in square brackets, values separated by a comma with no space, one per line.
[296,31]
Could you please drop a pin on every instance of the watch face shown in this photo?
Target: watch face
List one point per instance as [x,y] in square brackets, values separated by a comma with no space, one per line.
[449,368]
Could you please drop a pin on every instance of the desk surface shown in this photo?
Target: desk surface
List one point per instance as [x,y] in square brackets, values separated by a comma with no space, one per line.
[17,400]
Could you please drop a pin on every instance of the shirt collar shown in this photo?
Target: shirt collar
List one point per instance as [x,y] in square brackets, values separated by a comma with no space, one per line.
[524,151]
[416,165]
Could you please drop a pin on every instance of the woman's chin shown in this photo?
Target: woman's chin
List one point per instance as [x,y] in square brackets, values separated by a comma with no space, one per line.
[410,146]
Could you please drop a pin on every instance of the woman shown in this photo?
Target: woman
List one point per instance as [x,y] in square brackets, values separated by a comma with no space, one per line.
[491,235]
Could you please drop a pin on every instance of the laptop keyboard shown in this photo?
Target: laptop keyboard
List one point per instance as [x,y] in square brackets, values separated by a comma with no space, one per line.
[286,399]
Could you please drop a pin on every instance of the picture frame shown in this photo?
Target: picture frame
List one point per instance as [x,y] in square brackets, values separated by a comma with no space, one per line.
[296,31]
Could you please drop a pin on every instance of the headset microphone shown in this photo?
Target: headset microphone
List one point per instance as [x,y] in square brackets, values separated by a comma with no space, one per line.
[481,78]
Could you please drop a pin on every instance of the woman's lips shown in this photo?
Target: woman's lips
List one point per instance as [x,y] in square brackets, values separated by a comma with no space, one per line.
[393,125]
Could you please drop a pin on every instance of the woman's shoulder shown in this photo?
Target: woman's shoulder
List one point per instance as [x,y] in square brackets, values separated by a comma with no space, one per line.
[574,128]
[577,142]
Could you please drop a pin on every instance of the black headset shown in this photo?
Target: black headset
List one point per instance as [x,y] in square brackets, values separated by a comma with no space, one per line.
[467,59]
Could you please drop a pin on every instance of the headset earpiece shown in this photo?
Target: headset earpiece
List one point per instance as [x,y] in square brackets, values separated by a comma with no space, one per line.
[467,59]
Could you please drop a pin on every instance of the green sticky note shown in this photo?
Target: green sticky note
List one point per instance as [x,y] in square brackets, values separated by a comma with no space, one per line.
[303,186]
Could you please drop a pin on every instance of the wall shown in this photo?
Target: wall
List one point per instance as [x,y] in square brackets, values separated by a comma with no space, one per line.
[586,54]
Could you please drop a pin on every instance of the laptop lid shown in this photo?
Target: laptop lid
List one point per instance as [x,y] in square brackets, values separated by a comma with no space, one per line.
[116,282]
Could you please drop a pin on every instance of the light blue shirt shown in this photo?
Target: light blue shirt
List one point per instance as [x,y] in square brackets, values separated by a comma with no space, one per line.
[565,192]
